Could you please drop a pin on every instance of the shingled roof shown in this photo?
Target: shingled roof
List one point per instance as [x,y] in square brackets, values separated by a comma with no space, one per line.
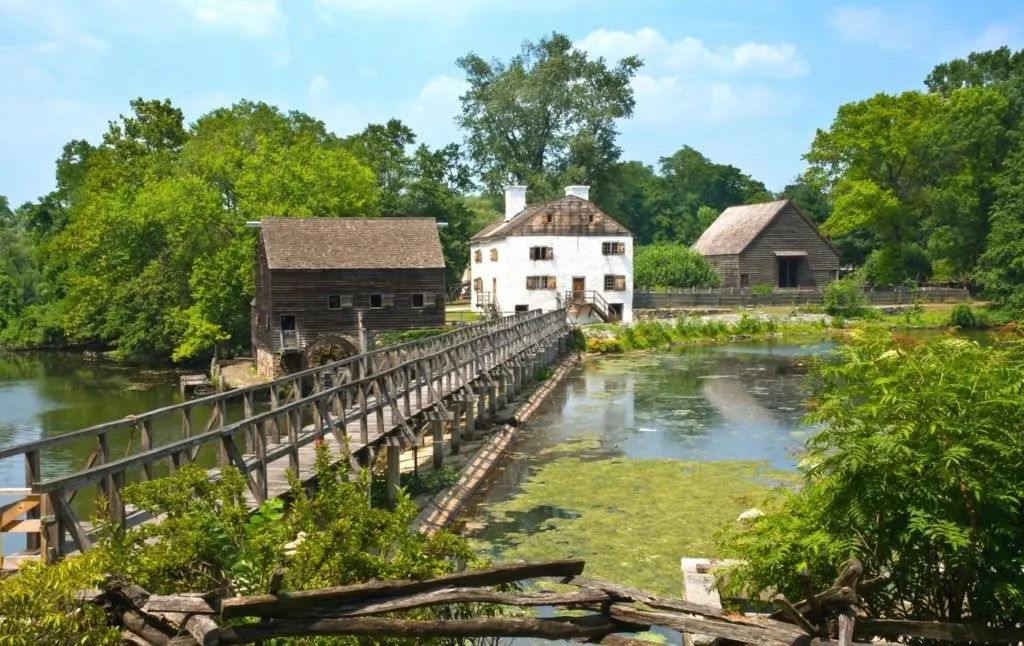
[737,227]
[566,212]
[352,243]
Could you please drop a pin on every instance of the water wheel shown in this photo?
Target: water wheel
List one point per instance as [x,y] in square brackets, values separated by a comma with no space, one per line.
[328,349]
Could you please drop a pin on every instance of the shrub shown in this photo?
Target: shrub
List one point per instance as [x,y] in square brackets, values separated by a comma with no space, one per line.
[844,297]
[763,289]
[918,471]
[671,265]
[966,317]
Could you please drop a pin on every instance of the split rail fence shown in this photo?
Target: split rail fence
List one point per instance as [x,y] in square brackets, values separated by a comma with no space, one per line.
[379,401]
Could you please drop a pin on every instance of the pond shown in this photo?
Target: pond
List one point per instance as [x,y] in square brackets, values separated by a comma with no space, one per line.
[634,462]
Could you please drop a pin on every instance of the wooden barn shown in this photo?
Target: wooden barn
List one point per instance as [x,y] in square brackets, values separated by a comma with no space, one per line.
[314,276]
[771,243]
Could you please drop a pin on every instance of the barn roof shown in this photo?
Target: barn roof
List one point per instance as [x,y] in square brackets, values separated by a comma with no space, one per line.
[737,227]
[352,243]
[562,210]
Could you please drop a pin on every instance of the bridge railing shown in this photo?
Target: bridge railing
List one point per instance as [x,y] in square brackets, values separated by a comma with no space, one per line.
[403,379]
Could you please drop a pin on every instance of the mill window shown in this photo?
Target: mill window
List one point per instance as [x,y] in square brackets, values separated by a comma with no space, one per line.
[494,255]
[478,256]
[540,282]
[418,300]
[614,283]
[376,301]
[613,248]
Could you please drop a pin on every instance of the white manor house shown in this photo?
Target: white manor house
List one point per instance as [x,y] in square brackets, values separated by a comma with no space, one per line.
[560,254]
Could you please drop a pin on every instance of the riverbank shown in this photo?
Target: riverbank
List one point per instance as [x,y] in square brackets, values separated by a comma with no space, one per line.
[693,327]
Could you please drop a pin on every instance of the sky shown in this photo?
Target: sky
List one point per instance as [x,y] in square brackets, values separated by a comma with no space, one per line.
[746,82]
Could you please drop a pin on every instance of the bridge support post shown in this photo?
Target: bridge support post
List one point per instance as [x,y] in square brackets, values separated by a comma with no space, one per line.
[437,425]
[492,399]
[455,428]
[481,403]
[502,390]
[394,452]
[470,418]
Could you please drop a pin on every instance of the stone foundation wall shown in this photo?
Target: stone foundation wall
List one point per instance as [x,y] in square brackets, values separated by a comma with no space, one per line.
[268,364]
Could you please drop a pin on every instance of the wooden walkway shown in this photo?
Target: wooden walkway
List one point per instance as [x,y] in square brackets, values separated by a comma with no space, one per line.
[381,402]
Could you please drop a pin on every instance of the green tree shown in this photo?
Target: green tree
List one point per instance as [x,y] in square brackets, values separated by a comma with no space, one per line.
[546,118]
[671,265]
[1001,267]
[917,471]
[626,195]
[688,180]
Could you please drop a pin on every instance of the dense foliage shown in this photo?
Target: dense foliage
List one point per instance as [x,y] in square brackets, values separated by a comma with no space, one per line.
[671,265]
[918,471]
[208,541]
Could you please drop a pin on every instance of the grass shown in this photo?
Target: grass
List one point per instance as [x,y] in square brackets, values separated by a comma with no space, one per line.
[631,520]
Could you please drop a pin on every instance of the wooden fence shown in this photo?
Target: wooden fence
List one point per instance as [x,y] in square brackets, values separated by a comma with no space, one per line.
[380,400]
[739,297]
[604,613]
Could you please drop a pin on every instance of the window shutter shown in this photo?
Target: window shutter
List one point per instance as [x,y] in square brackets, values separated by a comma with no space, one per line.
[346,300]
[438,299]
[388,300]
[620,283]
[551,282]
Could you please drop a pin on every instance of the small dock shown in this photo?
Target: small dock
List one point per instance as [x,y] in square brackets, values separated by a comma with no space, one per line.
[195,386]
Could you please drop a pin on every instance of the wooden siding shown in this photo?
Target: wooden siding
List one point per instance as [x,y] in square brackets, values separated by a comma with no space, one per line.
[789,231]
[728,269]
[260,315]
[303,293]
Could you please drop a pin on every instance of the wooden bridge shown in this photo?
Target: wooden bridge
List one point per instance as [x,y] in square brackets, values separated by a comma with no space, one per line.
[385,400]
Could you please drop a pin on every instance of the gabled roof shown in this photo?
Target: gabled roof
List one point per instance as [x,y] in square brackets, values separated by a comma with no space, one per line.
[352,243]
[738,226]
[570,215]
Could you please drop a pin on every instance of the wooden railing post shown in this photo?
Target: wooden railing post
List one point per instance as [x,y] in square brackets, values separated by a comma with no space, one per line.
[33,474]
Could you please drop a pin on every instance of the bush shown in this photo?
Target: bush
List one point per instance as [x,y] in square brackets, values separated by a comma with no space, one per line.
[966,317]
[763,289]
[844,297]
[671,265]
[918,471]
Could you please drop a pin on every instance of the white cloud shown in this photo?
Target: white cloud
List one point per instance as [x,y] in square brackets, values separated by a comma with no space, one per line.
[889,29]
[430,113]
[439,11]
[246,18]
[669,100]
[693,56]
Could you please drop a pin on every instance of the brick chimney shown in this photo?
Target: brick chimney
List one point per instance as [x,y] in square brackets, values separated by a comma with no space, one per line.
[582,192]
[515,201]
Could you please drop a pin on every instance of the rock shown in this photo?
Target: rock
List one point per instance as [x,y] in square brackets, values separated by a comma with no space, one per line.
[750,514]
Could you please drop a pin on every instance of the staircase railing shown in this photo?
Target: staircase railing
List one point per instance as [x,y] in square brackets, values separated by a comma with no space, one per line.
[595,300]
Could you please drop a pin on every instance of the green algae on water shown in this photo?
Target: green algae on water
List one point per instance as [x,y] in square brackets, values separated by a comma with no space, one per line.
[631,520]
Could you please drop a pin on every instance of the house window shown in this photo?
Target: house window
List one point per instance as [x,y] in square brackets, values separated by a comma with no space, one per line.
[590,218]
[522,308]
[541,253]
[547,218]
[478,256]
[613,248]
[540,282]
[494,255]
[478,285]
[376,301]
[417,300]
[338,301]
[614,283]
[744,280]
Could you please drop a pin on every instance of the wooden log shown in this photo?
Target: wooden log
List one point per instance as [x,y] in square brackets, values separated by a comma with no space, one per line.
[820,605]
[179,603]
[953,632]
[256,605]
[846,622]
[622,593]
[143,626]
[576,628]
[795,615]
[444,597]
[203,630]
[778,634]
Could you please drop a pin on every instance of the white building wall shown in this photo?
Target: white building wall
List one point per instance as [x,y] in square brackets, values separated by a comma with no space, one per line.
[574,256]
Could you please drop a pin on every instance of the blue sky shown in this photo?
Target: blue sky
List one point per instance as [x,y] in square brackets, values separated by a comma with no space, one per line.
[746,82]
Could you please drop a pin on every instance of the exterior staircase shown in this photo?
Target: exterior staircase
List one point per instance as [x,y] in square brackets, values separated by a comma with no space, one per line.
[576,301]
[486,302]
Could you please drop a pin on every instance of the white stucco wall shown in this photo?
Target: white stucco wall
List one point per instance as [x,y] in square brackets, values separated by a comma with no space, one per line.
[574,256]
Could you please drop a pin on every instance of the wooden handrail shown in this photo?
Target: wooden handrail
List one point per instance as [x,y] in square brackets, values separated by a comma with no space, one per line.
[97,473]
[132,420]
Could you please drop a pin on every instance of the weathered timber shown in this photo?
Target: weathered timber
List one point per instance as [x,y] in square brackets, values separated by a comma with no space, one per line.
[760,634]
[794,615]
[623,593]
[256,606]
[178,603]
[576,628]
[953,632]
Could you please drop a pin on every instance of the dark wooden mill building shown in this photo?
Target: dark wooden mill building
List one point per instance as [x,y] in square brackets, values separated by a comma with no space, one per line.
[770,243]
[315,276]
